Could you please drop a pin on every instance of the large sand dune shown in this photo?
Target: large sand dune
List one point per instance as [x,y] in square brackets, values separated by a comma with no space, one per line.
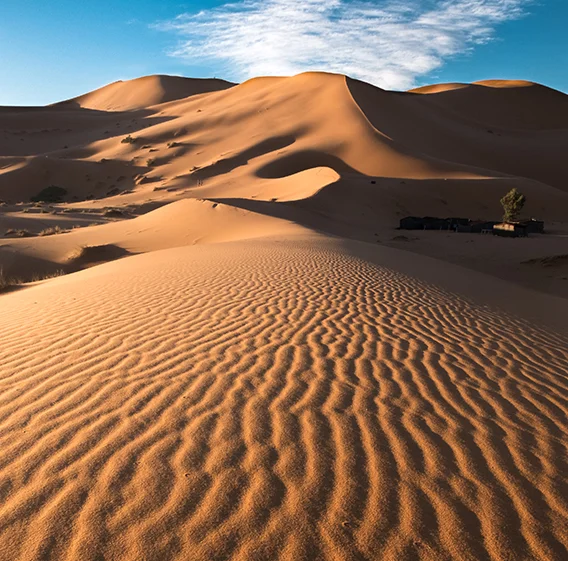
[267,369]
[145,92]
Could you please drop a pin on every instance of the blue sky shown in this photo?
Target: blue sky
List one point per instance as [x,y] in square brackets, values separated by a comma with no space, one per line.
[55,50]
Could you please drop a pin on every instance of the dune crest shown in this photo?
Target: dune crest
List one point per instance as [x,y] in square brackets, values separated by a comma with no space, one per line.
[144,92]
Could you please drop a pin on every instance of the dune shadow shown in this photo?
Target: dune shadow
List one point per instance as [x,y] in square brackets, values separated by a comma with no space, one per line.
[302,160]
[356,206]
[68,128]
[89,256]
[478,126]
[82,179]
[226,165]
[17,268]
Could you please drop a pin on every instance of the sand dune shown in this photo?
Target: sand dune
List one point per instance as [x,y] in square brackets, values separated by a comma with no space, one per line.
[145,92]
[480,126]
[276,401]
[185,222]
[511,104]
[349,127]
[243,359]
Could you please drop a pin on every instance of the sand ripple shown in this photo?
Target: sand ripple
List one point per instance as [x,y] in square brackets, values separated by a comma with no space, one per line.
[275,401]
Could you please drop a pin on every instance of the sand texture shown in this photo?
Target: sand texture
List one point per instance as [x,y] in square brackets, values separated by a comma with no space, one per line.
[240,358]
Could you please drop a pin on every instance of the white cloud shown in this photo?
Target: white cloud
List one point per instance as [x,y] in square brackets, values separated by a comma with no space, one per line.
[387,43]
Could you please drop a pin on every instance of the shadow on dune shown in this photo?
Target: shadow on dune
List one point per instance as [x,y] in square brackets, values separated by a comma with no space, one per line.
[89,256]
[20,268]
[357,206]
[82,179]
[476,126]
[17,270]
[302,160]
[226,165]
[67,127]
[7,288]
[515,105]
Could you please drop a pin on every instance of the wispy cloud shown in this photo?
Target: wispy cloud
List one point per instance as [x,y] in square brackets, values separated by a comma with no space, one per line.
[387,43]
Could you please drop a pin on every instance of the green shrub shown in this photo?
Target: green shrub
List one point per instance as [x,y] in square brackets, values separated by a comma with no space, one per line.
[512,203]
[128,140]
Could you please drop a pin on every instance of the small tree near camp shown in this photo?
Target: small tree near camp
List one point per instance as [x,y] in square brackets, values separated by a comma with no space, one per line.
[512,203]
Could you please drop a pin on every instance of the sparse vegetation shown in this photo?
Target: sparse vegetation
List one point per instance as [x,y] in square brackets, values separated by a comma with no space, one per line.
[174,144]
[45,276]
[51,194]
[113,213]
[512,203]
[129,140]
[18,233]
[7,283]
[52,231]
[151,162]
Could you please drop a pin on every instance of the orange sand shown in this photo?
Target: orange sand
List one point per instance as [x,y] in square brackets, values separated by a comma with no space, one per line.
[265,370]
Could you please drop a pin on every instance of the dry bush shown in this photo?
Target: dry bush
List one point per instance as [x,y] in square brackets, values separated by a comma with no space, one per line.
[113,213]
[5,282]
[18,233]
[45,276]
[51,231]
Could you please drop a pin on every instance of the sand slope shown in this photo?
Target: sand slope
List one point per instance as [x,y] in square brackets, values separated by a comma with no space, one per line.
[276,400]
[185,222]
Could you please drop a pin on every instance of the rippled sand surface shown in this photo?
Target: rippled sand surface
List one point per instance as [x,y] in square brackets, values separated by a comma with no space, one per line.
[273,399]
